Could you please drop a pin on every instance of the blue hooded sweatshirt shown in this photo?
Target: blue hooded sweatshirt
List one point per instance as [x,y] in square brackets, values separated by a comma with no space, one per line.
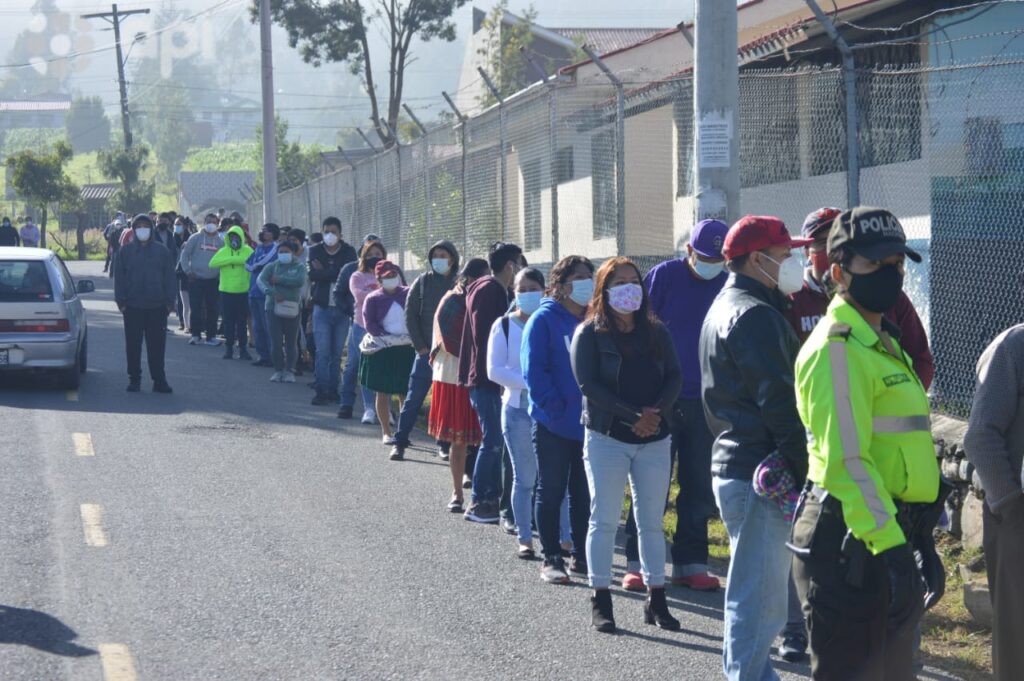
[260,258]
[555,398]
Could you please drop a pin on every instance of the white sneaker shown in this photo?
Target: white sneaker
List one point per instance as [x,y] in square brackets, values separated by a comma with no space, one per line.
[289,377]
[277,377]
[194,340]
[369,417]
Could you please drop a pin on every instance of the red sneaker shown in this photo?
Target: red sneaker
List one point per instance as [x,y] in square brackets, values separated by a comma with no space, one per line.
[633,581]
[699,582]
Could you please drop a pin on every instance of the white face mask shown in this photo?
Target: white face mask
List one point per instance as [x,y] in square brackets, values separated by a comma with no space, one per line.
[210,227]
[330,238]
[791,275]
[391,283]
[285,258]
[142,233]
[707,270]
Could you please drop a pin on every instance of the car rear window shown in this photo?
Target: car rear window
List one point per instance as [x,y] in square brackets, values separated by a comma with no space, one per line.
[24,281]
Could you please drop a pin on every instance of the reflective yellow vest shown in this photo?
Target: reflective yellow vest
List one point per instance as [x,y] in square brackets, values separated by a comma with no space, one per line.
[868,425]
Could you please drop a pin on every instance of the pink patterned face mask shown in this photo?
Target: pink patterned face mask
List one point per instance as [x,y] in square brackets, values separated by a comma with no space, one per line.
[625,298]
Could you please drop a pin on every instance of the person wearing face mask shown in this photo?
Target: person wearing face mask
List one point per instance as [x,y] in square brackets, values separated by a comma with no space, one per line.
[387,352]
[234,291]
[504,367]
[747,350]
[626,366]
[265,253]
[424,296]
[452,417]
[362,283]
[9,235]
[203,287]
[486,300]
[556,407]
[164,234]
[873,491]
[346,302]
[144,290]
[181,235]
[281,282]
[681,292]
[330,325]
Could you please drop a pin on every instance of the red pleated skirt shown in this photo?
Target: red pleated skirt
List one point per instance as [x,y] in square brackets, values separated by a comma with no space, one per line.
[452,417]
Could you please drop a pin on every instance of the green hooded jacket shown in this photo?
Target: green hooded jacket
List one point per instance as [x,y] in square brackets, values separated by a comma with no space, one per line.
[290,280]
[234,278]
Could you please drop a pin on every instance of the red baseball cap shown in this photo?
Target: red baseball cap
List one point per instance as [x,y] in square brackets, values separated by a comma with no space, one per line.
[756,233]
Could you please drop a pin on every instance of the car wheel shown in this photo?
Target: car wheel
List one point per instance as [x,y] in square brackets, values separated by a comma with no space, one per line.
[70,378]
[83,357]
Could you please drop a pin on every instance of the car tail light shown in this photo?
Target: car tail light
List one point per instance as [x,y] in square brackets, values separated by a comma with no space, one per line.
[34,325]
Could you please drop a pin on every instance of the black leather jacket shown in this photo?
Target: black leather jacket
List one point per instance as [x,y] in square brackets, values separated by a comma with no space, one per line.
[747,354]
[596,361]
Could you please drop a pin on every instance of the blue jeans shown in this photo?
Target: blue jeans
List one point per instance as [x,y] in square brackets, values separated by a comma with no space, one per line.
[560,471]
[756,595]
[330,332]
[517,427]
[420,379]
[260,327]
[648,467]
[487,471]
[350,378]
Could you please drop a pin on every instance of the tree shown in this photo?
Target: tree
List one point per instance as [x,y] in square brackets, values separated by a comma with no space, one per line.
[169,130]
[126,166]
[50,33]
[88,127]
[504,48]
[295,165]
[40,179]
[339,31]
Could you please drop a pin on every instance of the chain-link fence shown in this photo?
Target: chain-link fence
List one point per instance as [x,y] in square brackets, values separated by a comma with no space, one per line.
[942,147]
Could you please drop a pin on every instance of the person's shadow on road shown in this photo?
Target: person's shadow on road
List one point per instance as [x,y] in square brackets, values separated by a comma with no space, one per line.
[40,631]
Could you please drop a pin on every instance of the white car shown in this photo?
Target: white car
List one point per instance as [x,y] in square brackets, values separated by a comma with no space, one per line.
[42,319]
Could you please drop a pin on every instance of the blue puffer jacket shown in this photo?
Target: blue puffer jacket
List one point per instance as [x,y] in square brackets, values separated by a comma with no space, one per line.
[260,258]
[555,398]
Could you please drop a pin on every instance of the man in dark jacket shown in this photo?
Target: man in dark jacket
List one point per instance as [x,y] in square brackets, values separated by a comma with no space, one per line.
[747,353]
[165,235]
[8,234]
[346,302]
[424,297]
[330,325]
[145,289]
[487,299]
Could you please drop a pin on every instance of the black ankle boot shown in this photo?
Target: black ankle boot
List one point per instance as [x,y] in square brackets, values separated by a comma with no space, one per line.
[656,610]
[601,617]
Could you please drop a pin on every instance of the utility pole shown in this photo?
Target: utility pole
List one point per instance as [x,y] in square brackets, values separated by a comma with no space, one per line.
[269,123]
[716,95]
[114,17]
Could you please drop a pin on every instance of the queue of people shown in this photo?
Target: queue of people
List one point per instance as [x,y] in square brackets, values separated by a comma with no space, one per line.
[790,399]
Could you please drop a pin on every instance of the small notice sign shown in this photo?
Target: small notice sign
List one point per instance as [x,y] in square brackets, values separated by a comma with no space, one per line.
[714,135]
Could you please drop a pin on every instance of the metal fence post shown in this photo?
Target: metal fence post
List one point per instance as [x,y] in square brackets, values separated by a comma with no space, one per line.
[401,197]
[552,148]
[427,189]
[501,151]
[463,138]
[375,221]
[355,193]
[620,151]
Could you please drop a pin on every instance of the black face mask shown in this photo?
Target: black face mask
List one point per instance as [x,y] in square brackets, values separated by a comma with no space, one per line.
[879,290]
[236,244]
[371,262]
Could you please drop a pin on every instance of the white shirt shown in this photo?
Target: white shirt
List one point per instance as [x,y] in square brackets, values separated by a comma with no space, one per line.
[394,321]
[503,365]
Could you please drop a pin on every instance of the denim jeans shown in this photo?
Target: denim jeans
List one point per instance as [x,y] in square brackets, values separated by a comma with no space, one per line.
[487,471]
[420,379]
[648,467]
[695,503]
[350,378]
[517,427]
[260,327]
[330,330]
[756,594]
[560,470]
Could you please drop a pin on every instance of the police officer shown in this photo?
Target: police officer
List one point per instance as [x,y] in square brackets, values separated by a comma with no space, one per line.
[872,495]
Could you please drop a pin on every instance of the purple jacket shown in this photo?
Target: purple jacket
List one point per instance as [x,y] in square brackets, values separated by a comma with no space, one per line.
[376,307]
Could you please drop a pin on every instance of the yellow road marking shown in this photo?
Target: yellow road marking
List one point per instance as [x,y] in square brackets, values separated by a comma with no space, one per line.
[92,525]
[71,395]
[83,444]
[117,661]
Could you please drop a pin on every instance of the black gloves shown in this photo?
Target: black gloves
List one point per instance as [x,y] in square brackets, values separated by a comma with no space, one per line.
[933,571]
[904,584]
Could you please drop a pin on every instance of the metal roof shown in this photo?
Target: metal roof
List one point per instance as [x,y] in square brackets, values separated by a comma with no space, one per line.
[604,40]
[14,105]
[99,191]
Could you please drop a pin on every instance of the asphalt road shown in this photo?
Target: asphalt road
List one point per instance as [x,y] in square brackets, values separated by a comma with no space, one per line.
[235,532]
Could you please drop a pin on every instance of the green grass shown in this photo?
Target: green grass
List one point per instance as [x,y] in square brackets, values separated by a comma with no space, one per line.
[223,157]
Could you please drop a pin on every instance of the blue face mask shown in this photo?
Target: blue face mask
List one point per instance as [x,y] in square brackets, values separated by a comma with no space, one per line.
[529,301]
[440,265]
[582,291]
[285,258]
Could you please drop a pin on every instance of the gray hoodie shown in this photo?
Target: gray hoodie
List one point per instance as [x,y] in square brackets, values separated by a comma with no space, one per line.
[197,253]
[425,295]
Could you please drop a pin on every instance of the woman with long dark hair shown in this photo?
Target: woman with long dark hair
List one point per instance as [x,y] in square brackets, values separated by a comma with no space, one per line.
[628,371]
[362,283]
